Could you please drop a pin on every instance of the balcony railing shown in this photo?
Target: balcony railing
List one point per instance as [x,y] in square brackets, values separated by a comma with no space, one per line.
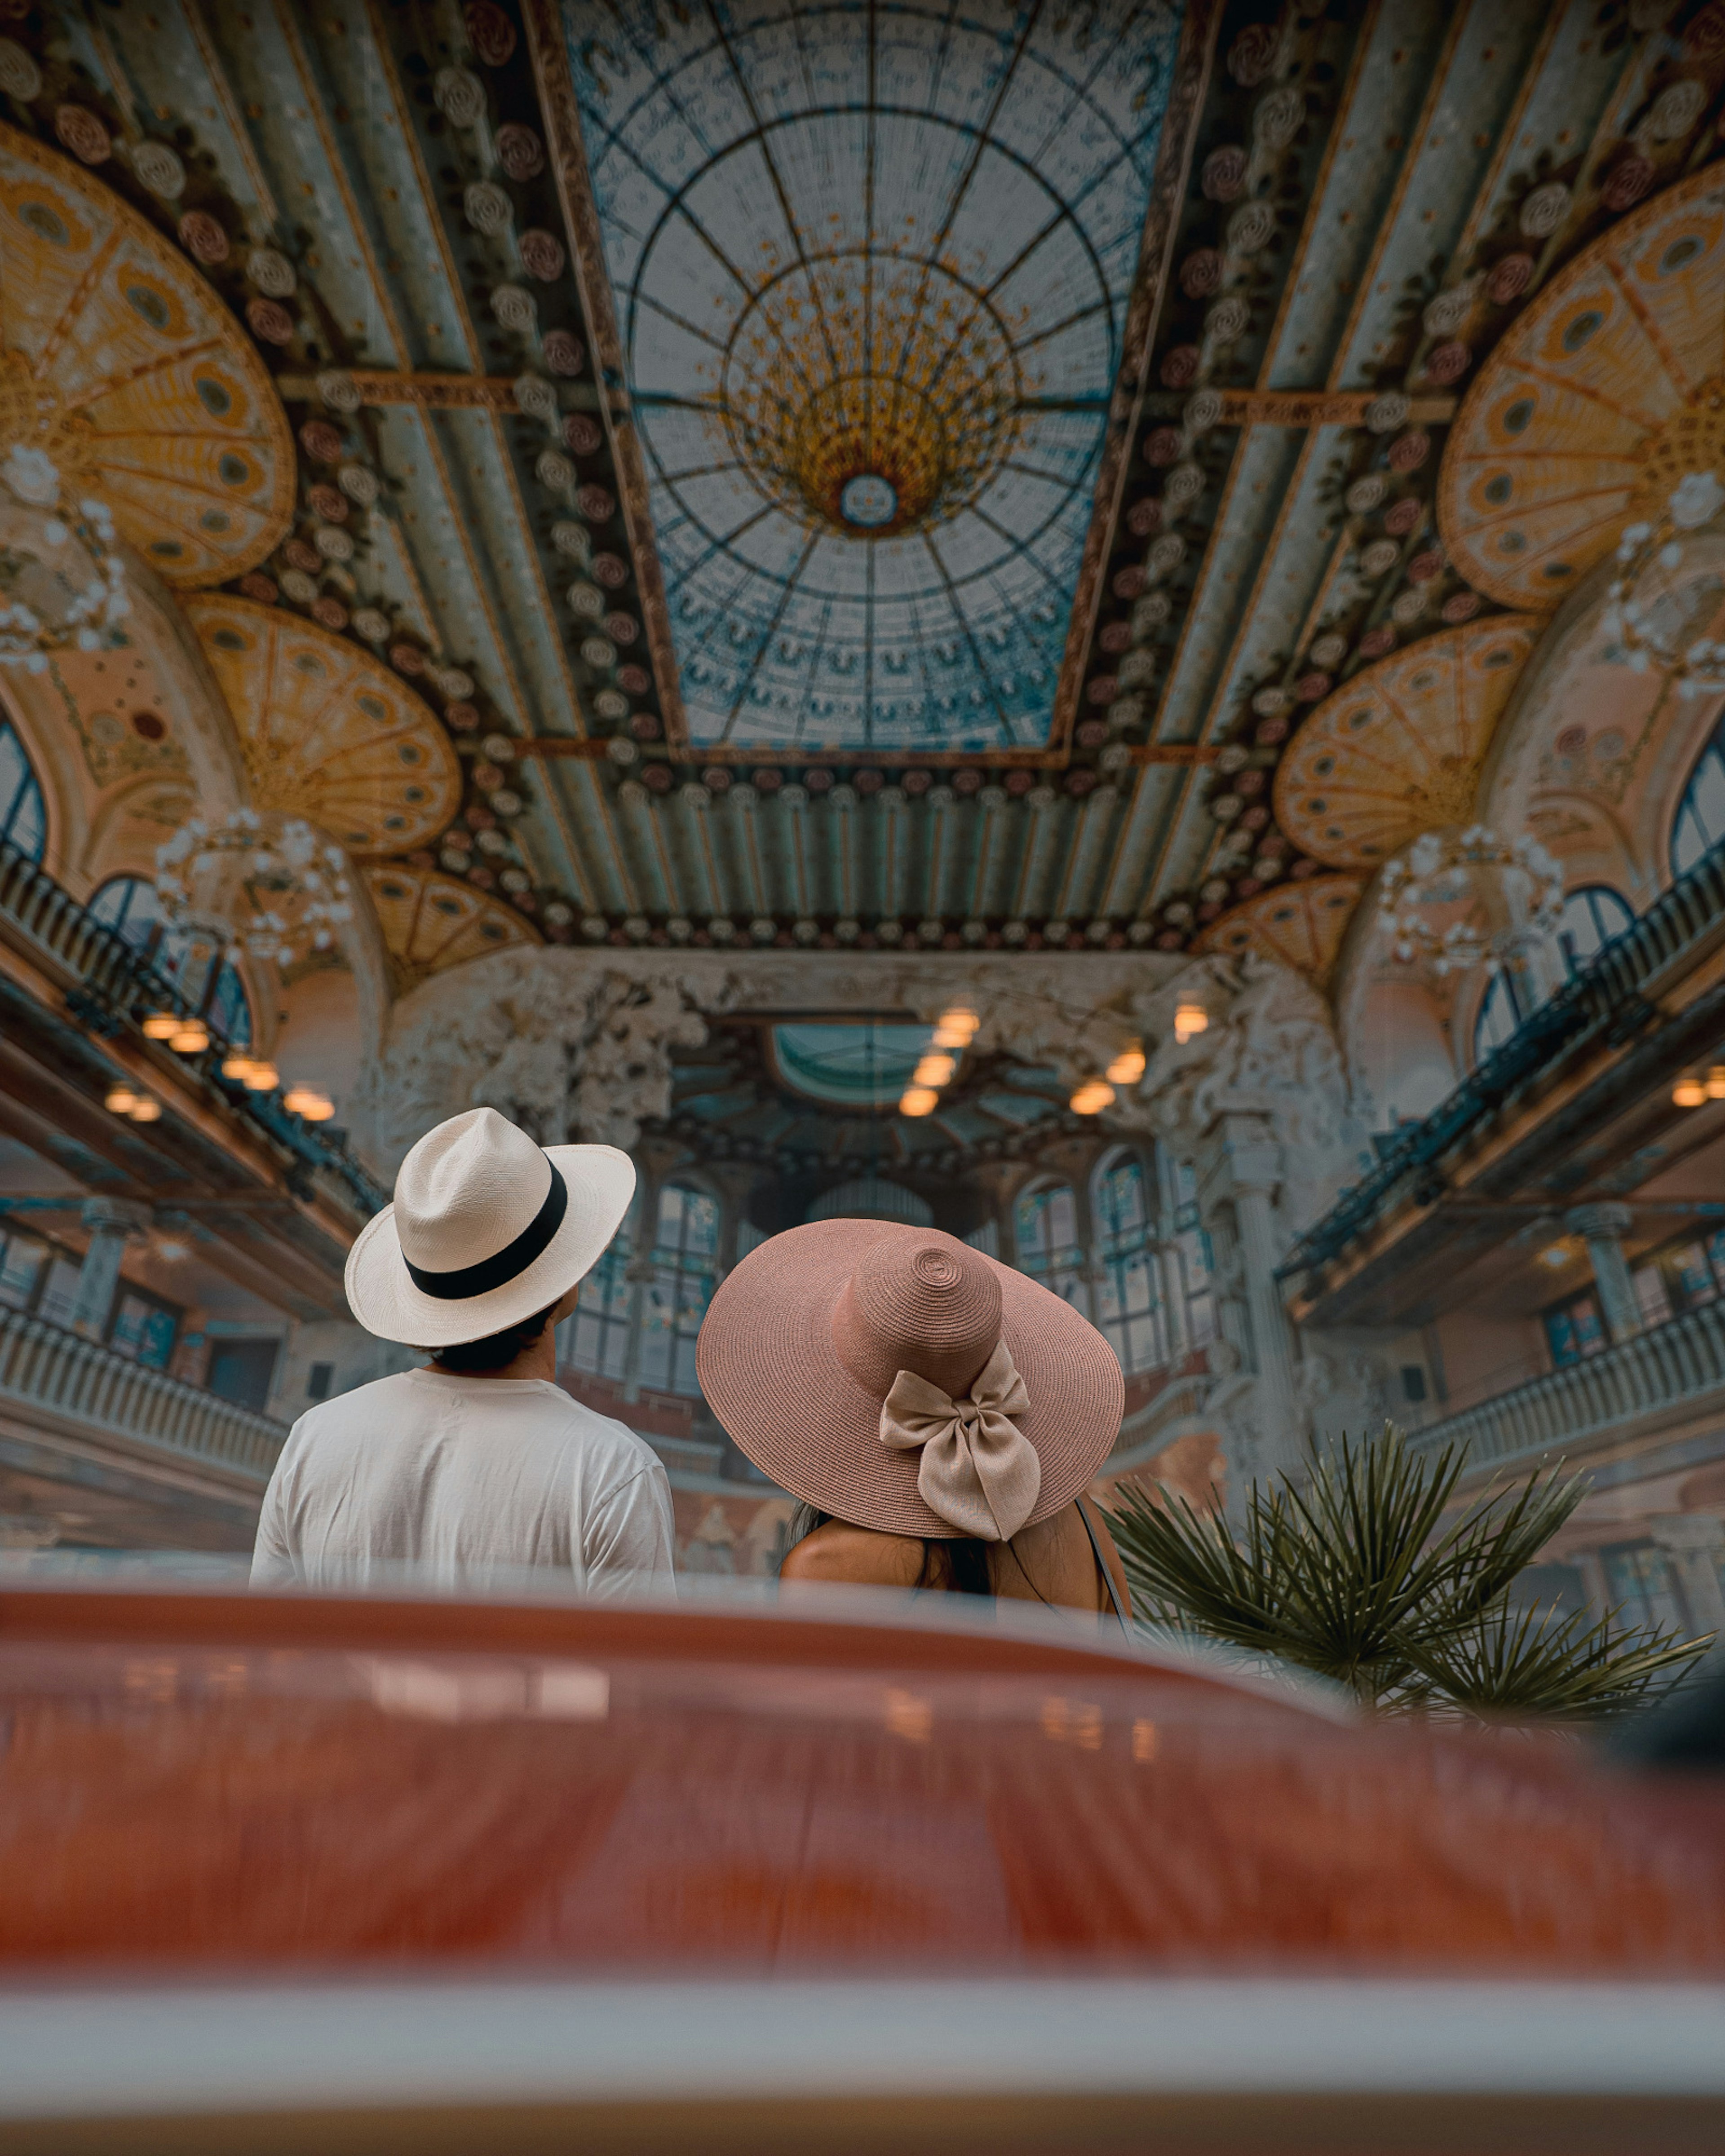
[59,1373]
[1604,1002]
[1676,1365]
[116,985]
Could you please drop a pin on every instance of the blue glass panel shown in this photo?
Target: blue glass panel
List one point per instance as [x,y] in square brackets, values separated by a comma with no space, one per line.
[871,269]
[853,1067]
[22,822]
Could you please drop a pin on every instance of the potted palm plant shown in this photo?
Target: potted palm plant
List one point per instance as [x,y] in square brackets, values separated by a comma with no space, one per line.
[1353,1574]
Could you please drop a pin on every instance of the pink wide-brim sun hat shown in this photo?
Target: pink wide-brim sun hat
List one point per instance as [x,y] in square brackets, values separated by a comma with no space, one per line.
[772,1371]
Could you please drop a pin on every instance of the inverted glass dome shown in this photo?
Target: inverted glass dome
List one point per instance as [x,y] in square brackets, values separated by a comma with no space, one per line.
[872,268]
[848,1066]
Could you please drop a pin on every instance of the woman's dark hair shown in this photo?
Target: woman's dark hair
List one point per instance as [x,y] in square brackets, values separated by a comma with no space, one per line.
[958,1563]
[496,1351]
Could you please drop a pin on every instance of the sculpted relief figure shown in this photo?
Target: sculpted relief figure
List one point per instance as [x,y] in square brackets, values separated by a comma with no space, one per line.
[568,1046]
[1269,1051]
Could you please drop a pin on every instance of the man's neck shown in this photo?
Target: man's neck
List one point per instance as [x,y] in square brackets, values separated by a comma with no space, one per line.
[538,1359]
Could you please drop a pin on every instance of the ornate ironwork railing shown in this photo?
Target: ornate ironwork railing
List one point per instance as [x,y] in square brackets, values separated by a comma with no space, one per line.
[45,1367]
[1603,1001]
[1676,1364]
[116,985]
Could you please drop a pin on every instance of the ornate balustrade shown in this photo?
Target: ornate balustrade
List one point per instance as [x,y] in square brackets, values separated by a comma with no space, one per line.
[1676,1365]
[114,986]
[77,1384]
[1606,1002]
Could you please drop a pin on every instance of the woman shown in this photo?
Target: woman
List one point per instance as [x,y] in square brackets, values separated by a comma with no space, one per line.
[938,1414]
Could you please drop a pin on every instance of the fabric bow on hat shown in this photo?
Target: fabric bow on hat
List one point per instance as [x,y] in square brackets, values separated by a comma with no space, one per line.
[978,1468]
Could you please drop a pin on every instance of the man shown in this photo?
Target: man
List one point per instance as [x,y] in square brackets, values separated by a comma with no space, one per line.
[481,1464]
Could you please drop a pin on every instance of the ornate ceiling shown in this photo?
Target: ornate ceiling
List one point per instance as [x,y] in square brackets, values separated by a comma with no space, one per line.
[865,479]
[870,274]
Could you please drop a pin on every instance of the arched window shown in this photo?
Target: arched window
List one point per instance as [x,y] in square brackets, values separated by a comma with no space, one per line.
[23,823]
[1128,1303]
[1593,917]
[1700,820]
[685,1249]
[1045,1227]
[132,909]
[596,1337]
[1507,1002]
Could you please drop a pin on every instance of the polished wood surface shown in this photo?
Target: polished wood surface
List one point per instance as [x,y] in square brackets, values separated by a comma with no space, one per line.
[193,1782]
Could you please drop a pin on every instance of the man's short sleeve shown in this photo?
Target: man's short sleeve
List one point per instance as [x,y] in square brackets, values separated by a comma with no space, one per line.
[629,1542]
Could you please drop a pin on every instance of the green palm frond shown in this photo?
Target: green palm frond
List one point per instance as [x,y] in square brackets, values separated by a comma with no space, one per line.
[1352,1575]
[1520,1663]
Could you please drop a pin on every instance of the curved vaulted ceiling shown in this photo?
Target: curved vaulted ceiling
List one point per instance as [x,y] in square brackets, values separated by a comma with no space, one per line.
[328,733]
[490,281]
[121,370]
[872,272]
[1602,397]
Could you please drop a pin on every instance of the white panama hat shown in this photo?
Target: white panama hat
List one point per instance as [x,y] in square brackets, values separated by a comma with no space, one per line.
[486,1229]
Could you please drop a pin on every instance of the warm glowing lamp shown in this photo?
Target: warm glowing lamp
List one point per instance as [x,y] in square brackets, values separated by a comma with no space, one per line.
[121,1101]
[189,1039]
[957,1028]
[1092,1097]
[1127,1067]
[918,1100]
[1190,1019]
[306,1101]
[934,1070]
[1715,1082]
[147,1111]
[1688,1093]
[260,1078]
[236,1066]
[162,1025]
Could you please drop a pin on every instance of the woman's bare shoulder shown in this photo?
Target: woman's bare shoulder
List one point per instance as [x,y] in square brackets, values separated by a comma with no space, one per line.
[839,1554]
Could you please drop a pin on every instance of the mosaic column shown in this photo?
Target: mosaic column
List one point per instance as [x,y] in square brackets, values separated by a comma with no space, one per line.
[1603,1227]
[112,1222]
[1254,1174]
[1695,1543]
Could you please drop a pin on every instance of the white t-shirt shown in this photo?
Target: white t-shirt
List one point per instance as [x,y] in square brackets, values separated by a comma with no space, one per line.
[462,1479]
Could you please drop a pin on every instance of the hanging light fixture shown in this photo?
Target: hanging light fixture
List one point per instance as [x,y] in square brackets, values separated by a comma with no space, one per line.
[934,1070]
[1654,606]
[62,583]
[1190,1019]
[120,1100]
[1091,1097]
[162,1025]
[918,1100]
[308,1103]
[261,1078]
[1468,897]
[1715,1082]
[1128,1066]
[147,1111]
[190,1038]
[957,1028]
[1689,1092]
[269,887]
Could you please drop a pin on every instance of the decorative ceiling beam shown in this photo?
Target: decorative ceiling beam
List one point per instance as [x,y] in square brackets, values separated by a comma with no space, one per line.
[1308,407]
[443,392]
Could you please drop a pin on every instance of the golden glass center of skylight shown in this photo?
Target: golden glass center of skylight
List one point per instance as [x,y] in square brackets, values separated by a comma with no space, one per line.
[871,269]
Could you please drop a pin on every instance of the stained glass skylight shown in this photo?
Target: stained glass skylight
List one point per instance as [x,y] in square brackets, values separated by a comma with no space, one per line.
[871,267]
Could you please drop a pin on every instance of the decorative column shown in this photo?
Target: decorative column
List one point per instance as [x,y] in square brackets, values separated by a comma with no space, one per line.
[1171,1281]
[1603,1227]
[1254,1164]
[1594,1585]
[1695,1543]
[112,1222]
